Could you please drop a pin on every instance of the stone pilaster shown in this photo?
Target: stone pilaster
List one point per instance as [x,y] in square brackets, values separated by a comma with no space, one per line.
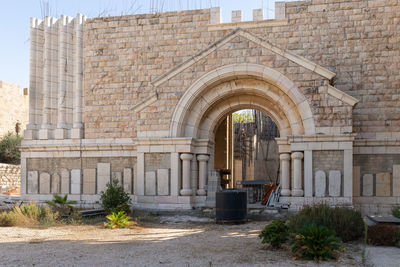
[30,132]
[285,174]
[77,130]
[45,128]
[202,174]
[61,130]
[186,161]
[297,190]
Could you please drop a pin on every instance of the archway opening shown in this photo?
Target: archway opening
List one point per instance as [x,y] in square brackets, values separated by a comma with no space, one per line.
[246,152]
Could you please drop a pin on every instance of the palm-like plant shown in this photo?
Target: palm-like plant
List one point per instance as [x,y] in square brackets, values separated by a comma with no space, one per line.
[62,204]
[118,220]
[315,242]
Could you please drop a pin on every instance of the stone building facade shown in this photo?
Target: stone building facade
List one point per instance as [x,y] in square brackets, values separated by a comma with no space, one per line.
[139,98]
[14,108]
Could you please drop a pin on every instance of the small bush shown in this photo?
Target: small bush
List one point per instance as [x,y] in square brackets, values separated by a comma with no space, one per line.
[384,235]
[8,219]
[315,242]
[396,212]
[347,223]
[30,211]
[275,233]
[62,205]
[118,220]
[115,199]
[9,151]
[28,215]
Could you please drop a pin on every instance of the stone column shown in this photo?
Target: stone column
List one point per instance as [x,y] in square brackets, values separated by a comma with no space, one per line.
[285,174]
[186,190]
[202,174]
[297,190]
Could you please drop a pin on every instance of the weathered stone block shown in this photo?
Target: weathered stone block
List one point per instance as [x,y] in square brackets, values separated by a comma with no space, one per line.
[89,181]
[55,184]
[76,178]
[163,182]
[356,181]
[320,184]
[117,176]
[33,182]
[128,180]
[335,183]
[103,176]
[382,185]
[44,179]
[396,180]
[65,181]
[150,183]
[368,185]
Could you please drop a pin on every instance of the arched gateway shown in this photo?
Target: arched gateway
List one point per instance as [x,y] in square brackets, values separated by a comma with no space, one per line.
[242,86]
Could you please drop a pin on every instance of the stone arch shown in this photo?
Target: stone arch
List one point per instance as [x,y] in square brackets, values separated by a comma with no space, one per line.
[237,86]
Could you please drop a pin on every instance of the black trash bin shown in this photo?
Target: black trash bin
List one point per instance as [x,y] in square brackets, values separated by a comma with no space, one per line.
[231,206]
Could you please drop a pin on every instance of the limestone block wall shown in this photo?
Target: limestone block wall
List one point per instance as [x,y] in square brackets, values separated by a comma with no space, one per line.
[349,38]
[83,178]
[10,177]
[14,107]
[56,78]
[328,167]
[376,182]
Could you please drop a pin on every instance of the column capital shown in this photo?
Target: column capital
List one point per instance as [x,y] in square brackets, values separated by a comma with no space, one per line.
[297,155]
[284,156]
[203,157]
[186,156]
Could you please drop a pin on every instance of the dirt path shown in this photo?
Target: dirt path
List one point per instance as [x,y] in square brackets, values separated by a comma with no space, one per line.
[178,244]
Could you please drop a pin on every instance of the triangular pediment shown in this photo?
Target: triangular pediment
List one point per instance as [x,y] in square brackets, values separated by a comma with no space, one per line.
[253,38]
[239,32]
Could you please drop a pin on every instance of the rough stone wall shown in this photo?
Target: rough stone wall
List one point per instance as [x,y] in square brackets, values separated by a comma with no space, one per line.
[155,161]
[358,40]
[376,166]
[10,177]
[14,108]
[327,161]
[55,165]
[376,163]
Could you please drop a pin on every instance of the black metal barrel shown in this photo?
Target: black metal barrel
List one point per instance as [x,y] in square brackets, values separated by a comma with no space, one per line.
[231,206]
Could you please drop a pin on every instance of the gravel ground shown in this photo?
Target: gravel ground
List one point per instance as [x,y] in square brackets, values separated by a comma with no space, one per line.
[151,244]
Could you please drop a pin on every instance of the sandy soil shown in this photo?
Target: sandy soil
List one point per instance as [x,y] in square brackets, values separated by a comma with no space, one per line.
[149,244]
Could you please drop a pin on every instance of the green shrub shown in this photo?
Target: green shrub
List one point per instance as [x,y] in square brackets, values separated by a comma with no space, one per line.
[275,233]
[115,199]
[396,211]
[118,220]
[62,205]
[315,242]
[9,151]
[384,235]
[347,223]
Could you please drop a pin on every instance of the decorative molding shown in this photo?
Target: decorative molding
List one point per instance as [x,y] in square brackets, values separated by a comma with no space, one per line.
[148,101]
[348,99]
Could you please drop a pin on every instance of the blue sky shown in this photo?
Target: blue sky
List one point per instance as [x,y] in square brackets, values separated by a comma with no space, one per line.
[15,16]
